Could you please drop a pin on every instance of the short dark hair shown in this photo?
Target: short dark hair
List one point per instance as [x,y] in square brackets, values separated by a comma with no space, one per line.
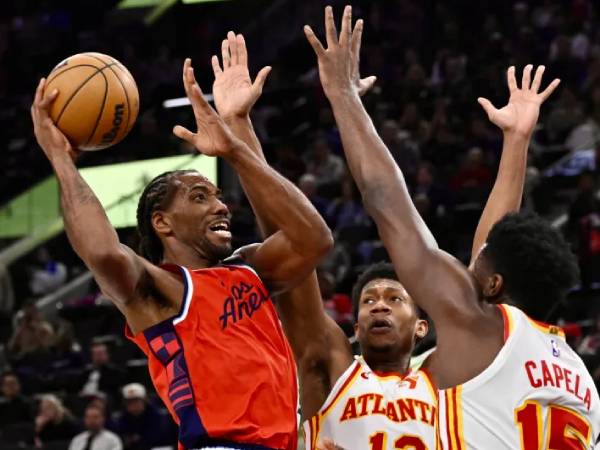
[380,270]
[534,259]
[158,194]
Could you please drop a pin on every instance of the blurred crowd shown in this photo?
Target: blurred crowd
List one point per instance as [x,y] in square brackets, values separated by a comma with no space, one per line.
[432,60]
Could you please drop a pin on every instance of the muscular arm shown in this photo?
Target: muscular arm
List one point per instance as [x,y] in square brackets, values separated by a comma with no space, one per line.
[507,192]
[286,257]
[435,280]
[517,121]
[320,347]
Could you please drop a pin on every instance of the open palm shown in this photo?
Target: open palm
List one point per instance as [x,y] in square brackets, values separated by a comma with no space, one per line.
[233,90]
[521,113]
[213,137]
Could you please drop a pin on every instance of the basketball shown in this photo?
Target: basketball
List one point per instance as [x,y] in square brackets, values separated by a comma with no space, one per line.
[98,100]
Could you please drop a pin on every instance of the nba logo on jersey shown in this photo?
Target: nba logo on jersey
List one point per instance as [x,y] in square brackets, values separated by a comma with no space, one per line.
[555,350]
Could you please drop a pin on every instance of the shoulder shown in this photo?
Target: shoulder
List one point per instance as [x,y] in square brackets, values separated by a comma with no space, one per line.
[110,436]
[242,258]
[79,438]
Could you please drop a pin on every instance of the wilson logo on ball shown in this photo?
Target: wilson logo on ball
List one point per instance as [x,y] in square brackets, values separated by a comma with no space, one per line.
[107,138]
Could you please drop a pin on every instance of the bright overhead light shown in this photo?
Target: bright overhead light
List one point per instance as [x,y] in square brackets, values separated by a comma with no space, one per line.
[183,101]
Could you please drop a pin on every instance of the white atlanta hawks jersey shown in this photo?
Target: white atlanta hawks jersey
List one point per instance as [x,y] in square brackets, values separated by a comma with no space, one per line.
[535,395]
[376,411]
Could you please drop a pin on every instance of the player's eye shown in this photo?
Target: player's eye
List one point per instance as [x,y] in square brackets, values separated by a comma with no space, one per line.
[368,301]
[200,196]
[396,299]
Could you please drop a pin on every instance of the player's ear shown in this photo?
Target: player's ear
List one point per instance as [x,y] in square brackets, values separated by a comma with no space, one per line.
[493,286]
[421,328]
[161,222]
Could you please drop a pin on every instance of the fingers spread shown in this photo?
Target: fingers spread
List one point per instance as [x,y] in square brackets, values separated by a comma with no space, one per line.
[526,81]
[487,106]
[550,89]
[537,79]
[346,31]
[330,30]
[233,49]
[225,56]
[357,37]
[512,80]
[259,82]
[183,133]
[241,50]
[313,40]
[215,65]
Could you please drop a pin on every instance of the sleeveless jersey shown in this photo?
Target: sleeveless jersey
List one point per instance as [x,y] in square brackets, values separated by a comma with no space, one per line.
[376,411]
[536,394]
[223,366]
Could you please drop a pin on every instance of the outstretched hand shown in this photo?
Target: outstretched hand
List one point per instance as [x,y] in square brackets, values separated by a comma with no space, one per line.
[213,137]
[339,63]
[50,138]
[521,113]
[233,90]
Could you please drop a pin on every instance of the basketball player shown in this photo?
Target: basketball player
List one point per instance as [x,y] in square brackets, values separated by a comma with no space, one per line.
[507,381]
[217,355]
[343,398]
[334,386]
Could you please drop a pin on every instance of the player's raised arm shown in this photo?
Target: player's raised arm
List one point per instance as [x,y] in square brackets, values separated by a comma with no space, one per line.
[517,121]
[435,280]
[289,255]
[116,268]
[318,343]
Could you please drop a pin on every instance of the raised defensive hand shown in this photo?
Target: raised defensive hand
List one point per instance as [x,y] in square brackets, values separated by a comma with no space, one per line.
[339,63]
[521,113]
[233,90]
[213,137]
[49,137]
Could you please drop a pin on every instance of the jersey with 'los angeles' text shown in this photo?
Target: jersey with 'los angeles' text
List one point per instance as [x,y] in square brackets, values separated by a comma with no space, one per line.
[536,394]
[367,410]
[223,366]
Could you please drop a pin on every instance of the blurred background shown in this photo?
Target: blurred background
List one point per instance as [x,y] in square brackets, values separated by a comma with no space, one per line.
[63,356]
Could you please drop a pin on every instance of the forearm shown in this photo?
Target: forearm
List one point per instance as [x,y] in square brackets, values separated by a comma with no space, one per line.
[83,215]
[375,172]
[507,192]
[243,129]
[282,204]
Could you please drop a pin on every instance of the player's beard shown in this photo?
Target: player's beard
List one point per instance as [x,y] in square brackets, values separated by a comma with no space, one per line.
[214,252]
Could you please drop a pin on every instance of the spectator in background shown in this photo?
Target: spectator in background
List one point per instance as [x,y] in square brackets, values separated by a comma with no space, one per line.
[426,185]
[323,164]
[54,422]
[308,186]
[140,424]
[347,210]
[96,437]
[102,375]
[14,407]
[49,276]
[338,306]
[474,179]
[403,149]
[32,335]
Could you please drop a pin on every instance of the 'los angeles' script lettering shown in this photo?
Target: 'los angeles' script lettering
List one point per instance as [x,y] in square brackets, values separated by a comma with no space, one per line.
[244,301]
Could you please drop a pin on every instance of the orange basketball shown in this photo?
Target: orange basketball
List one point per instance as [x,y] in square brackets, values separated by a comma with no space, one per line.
[98,100]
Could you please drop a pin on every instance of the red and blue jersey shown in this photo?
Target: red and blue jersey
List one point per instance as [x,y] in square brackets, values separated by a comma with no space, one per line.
[223,366]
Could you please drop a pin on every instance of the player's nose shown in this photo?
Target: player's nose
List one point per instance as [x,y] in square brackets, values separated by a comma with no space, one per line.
[220,208]
[380,305]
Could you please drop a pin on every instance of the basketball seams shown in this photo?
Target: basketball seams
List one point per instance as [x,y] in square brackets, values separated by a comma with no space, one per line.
[101,108]
[128,127]
[52,78]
